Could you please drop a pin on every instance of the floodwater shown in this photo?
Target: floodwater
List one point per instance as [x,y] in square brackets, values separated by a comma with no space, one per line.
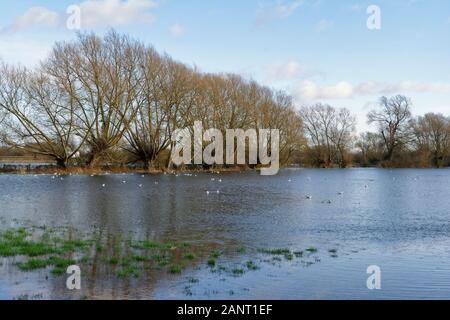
[398,220]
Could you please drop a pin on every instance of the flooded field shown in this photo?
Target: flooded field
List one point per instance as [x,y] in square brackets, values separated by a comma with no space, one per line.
[303,234]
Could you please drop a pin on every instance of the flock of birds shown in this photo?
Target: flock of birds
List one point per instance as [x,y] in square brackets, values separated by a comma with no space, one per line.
[208,192]
[104,185]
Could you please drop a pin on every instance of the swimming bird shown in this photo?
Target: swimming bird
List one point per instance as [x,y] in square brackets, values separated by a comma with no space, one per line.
[103,185]
[207,192]
[309,197]
[141,185]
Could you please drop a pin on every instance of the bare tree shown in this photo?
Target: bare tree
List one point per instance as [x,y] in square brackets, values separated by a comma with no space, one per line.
[96,96]
[104,71]
[432,133]
[330,132]
[164,93]
[392,119]
[40,116]
[371,146]
[342,134]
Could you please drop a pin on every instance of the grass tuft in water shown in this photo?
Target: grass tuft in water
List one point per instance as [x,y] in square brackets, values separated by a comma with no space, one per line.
[33,264]
[175,269]
[215,254]
[238,271]
[189,256]
[251,265]
[211,262]
[276,252]
[128,272]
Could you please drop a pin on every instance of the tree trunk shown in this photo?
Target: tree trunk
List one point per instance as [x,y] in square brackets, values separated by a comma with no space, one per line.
[92,160]
[61,163]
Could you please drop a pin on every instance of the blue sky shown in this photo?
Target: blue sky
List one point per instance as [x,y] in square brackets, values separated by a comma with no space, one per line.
[317,50]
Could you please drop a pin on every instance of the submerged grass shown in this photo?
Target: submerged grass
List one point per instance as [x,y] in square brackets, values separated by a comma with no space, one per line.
[35,264]
[41,248]
[276,252]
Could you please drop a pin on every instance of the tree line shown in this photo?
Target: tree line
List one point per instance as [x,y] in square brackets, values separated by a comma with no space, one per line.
[400,140]
[113,100]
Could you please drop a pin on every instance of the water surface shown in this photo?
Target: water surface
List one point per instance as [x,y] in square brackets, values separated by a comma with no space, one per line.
[396,219]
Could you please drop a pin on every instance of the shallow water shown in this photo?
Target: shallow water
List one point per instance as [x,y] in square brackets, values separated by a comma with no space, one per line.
[396,219]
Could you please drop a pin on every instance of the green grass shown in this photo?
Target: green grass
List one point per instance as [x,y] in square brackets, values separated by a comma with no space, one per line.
[61,263]
[251,265]
[175,269]
[58,271]
[215,254]
[15,244]
[298,254]
[189,256]
[276,252]
[125,257]
[33,264]
[211,262]
[128,272]
[139,258]
[289,256]
[238,271]
[74,245]
[241,250]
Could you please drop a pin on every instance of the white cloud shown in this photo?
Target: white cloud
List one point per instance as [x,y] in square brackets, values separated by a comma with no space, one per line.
[324,25]
[176,30]
[277,10]
[284,10]
[309,90]
[34,17]
[24,51]
[94,13]
[116,12]
[284,71]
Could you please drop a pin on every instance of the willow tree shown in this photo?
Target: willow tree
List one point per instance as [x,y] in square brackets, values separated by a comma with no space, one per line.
[392,118]
[342,135]
[100,73]
[318,122]
[432,132]
[41,117]
[163,92]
